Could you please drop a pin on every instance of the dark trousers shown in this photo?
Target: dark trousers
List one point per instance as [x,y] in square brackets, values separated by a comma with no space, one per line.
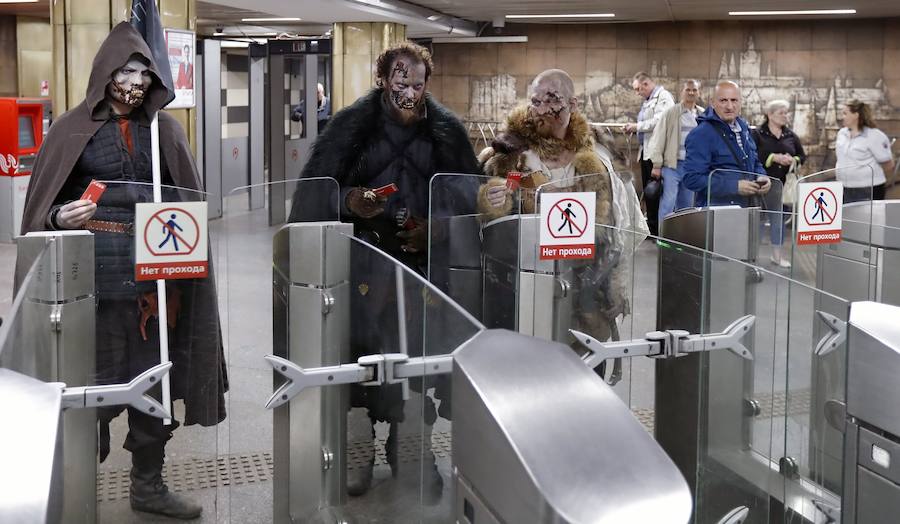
[122,354]
[651,203]
[859,194]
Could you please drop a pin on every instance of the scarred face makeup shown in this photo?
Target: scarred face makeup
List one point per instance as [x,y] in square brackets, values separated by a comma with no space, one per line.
[405,87]
[129,84]
[549,108]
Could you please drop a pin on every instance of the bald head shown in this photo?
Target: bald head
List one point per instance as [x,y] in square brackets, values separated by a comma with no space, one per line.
[553,101]
[727,101]
[556,80]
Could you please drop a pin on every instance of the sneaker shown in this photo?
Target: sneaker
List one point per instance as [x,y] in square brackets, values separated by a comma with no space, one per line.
[783,263]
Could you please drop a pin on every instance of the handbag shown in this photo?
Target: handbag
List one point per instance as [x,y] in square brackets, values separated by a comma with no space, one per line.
[789,191]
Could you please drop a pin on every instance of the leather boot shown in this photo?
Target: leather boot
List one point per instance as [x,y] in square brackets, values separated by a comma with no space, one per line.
[151,495]
[359,480]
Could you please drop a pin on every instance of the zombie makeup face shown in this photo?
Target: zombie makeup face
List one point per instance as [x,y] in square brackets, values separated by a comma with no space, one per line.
[551,106]
[129,84]
[405,87]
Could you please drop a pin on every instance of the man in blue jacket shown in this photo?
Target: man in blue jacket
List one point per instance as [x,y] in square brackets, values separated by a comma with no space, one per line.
[721,141]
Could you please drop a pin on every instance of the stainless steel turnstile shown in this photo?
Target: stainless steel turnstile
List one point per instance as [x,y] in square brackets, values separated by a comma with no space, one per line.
[863,266]
[872,435]
[698,406]
[311,281]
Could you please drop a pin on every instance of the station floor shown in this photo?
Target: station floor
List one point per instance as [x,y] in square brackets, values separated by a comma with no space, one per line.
[229,467]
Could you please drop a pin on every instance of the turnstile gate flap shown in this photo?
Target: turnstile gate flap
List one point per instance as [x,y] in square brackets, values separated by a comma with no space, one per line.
[875,223]
[31,454]
[540,438]
[873,365]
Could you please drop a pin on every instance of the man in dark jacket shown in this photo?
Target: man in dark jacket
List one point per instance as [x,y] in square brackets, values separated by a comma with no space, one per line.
[721,142]
[107,138]
[395,134]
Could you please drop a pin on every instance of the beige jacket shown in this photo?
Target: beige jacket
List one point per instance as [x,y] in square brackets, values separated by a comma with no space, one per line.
[663,146]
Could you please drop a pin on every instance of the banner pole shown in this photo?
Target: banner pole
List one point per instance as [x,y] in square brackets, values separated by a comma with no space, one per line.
[160,284]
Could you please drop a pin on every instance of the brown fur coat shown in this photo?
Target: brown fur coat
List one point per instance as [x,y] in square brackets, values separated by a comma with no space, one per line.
[507,154]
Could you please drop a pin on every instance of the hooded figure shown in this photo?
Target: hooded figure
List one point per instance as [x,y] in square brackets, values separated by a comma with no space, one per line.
[107,138]
[551,143]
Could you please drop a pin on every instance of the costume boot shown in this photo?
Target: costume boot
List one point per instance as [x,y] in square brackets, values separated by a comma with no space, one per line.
[359,479]
[148,491]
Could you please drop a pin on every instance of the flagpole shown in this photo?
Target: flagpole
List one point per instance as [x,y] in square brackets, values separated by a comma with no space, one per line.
[161,302]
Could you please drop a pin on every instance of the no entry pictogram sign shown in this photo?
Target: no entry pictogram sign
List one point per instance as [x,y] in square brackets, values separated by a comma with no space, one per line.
[170,241]
[567,225]
[819,215]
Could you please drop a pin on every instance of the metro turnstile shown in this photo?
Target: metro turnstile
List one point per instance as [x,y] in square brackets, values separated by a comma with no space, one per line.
[702,294]
[522,292]
[311,282]
[872,434]
[863,266]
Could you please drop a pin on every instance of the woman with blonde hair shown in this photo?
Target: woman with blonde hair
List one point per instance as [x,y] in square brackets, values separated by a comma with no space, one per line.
[779,149]
[863,154]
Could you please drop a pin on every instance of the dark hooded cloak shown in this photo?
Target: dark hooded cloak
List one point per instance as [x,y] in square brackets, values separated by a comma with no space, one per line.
[198,375]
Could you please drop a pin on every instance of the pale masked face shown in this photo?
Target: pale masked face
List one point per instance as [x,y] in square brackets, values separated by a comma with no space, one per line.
[130,83]
[405,86]
[550,108]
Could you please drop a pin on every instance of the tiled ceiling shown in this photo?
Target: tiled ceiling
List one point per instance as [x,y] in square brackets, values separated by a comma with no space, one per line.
[651,10]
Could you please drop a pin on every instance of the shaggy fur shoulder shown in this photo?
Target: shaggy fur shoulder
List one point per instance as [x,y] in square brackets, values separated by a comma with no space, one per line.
[505,155]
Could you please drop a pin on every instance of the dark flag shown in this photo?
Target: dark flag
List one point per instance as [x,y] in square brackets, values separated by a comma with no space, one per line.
[145,18]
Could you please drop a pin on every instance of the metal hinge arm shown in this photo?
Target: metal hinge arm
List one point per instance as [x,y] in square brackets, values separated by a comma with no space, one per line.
[836,336]
[669,344]
[130,394]
[370,370]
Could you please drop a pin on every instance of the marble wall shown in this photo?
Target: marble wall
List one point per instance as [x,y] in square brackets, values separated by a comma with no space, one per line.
[815,65]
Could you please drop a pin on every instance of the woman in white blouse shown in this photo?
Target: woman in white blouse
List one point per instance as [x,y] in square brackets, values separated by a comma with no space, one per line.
[863,154]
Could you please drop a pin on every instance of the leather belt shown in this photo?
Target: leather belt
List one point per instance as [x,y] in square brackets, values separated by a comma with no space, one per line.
[109,227]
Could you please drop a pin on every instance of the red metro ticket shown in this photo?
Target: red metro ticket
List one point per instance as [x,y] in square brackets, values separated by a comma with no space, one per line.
[93,191]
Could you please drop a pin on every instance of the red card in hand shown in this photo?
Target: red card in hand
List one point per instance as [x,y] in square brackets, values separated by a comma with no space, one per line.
[513,179]
[387,190]
[93,191]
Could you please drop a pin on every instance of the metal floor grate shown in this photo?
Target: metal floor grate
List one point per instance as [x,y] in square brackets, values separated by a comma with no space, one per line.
[190,475]
[248,468]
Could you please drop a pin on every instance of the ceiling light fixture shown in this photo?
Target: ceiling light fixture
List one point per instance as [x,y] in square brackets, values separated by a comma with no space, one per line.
[791,13]
[18,1]
[578,15]
[292,19]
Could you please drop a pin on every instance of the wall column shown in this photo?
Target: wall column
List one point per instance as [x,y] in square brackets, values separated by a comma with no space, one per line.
[78,33]
[356,46]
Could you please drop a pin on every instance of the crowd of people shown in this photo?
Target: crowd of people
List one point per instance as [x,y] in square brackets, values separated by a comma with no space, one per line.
[399,134]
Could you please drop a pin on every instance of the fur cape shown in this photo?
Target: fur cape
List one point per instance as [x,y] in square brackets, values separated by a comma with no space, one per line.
[340,152]
[505,155]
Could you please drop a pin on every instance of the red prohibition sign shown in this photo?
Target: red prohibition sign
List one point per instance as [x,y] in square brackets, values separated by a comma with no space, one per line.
[156,218]
[235,152]
[558,207]
[828,217]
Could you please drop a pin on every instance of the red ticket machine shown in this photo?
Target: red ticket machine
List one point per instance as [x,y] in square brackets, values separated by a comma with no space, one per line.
[21,134]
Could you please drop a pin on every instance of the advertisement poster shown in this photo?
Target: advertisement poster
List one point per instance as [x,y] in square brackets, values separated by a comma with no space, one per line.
[181,46]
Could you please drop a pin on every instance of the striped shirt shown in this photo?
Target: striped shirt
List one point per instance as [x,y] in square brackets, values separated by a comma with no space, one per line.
[688,122]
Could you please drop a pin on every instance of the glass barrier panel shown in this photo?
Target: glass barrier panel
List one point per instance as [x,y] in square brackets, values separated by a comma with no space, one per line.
[249,301]
[404,431]
[135,449]
[26,345]
[587,284]
[455,238]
